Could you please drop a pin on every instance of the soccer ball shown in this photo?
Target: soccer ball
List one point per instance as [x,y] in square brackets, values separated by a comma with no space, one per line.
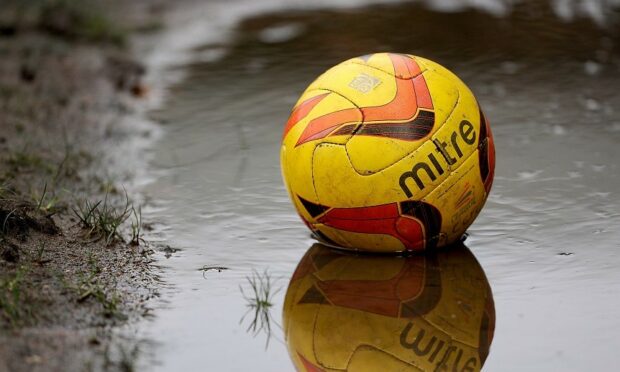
[388,152]
[356,313]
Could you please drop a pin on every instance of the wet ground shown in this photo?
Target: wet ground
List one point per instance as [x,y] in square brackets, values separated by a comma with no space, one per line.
[547,238]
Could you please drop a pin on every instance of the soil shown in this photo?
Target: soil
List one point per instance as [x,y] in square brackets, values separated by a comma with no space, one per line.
[74,266]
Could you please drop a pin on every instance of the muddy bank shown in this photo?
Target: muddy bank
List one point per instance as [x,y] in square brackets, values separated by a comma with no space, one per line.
[74,264]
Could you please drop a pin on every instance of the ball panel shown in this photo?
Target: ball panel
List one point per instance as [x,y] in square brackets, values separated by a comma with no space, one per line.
[296,160]
[370,359]
[392,131]
[458,138]
[487,327]
[337,184]
[368,156]
[398,112]
[460,284]
[306,103]
[467,108]
[331,236]
[338,334]
[486,147]
[318,116]
[369,241]
[432,347]
[459,199]
[416,225]
[363,85]
[305,365]
[418,172]
[444,94]
[297,174]
[427,64]
[380,268]
[395,64]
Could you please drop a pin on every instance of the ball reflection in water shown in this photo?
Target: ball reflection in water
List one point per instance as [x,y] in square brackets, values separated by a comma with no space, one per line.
[346,312]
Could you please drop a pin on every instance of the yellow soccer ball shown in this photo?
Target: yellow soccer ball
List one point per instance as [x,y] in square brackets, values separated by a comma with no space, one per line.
[388,152]
[365,313]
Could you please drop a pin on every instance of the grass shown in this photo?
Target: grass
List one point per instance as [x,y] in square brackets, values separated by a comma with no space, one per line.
[43,202]
[102,219]
[136,226]
[39,257]
[11,297]
[72,161]
[4,226]
[22,160]
[90,286]
[28,167]
[259,303]
[4,190]
[83,20]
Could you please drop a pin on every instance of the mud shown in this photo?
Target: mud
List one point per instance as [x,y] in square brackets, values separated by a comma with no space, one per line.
[71,95]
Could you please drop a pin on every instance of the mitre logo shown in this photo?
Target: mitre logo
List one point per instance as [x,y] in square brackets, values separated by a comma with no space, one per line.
[467,136]
[364,83]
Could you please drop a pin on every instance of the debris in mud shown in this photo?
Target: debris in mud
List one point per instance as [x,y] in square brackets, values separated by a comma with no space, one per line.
[207,268]
[168,251]
[127,75]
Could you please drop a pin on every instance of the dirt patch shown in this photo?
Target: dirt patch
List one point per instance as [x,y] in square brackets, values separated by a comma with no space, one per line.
[73,263]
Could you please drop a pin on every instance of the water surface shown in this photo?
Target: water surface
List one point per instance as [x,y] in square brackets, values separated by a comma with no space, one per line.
[547,237]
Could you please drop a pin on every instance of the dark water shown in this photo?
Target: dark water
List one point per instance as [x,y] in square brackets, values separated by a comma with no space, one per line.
[548,238]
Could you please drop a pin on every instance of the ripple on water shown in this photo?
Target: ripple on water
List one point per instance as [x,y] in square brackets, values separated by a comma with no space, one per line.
[547,238]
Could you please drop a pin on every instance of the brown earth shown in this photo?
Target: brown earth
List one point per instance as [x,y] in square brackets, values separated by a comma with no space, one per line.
[73,263]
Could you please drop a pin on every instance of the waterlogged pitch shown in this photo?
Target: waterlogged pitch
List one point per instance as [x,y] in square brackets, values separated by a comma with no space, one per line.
[388,152]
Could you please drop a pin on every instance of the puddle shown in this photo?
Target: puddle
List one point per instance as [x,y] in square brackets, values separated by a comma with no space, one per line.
[547,238]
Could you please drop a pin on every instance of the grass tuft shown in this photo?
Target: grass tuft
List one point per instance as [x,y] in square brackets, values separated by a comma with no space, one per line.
[259,304]
[136,226]
[22,160]
[43,202]
[4,190]
[81,20]
[11,306]
[39,256]
[102,219]
[4,224]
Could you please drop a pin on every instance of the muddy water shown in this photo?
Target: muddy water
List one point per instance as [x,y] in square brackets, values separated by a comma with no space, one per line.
[548,238]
